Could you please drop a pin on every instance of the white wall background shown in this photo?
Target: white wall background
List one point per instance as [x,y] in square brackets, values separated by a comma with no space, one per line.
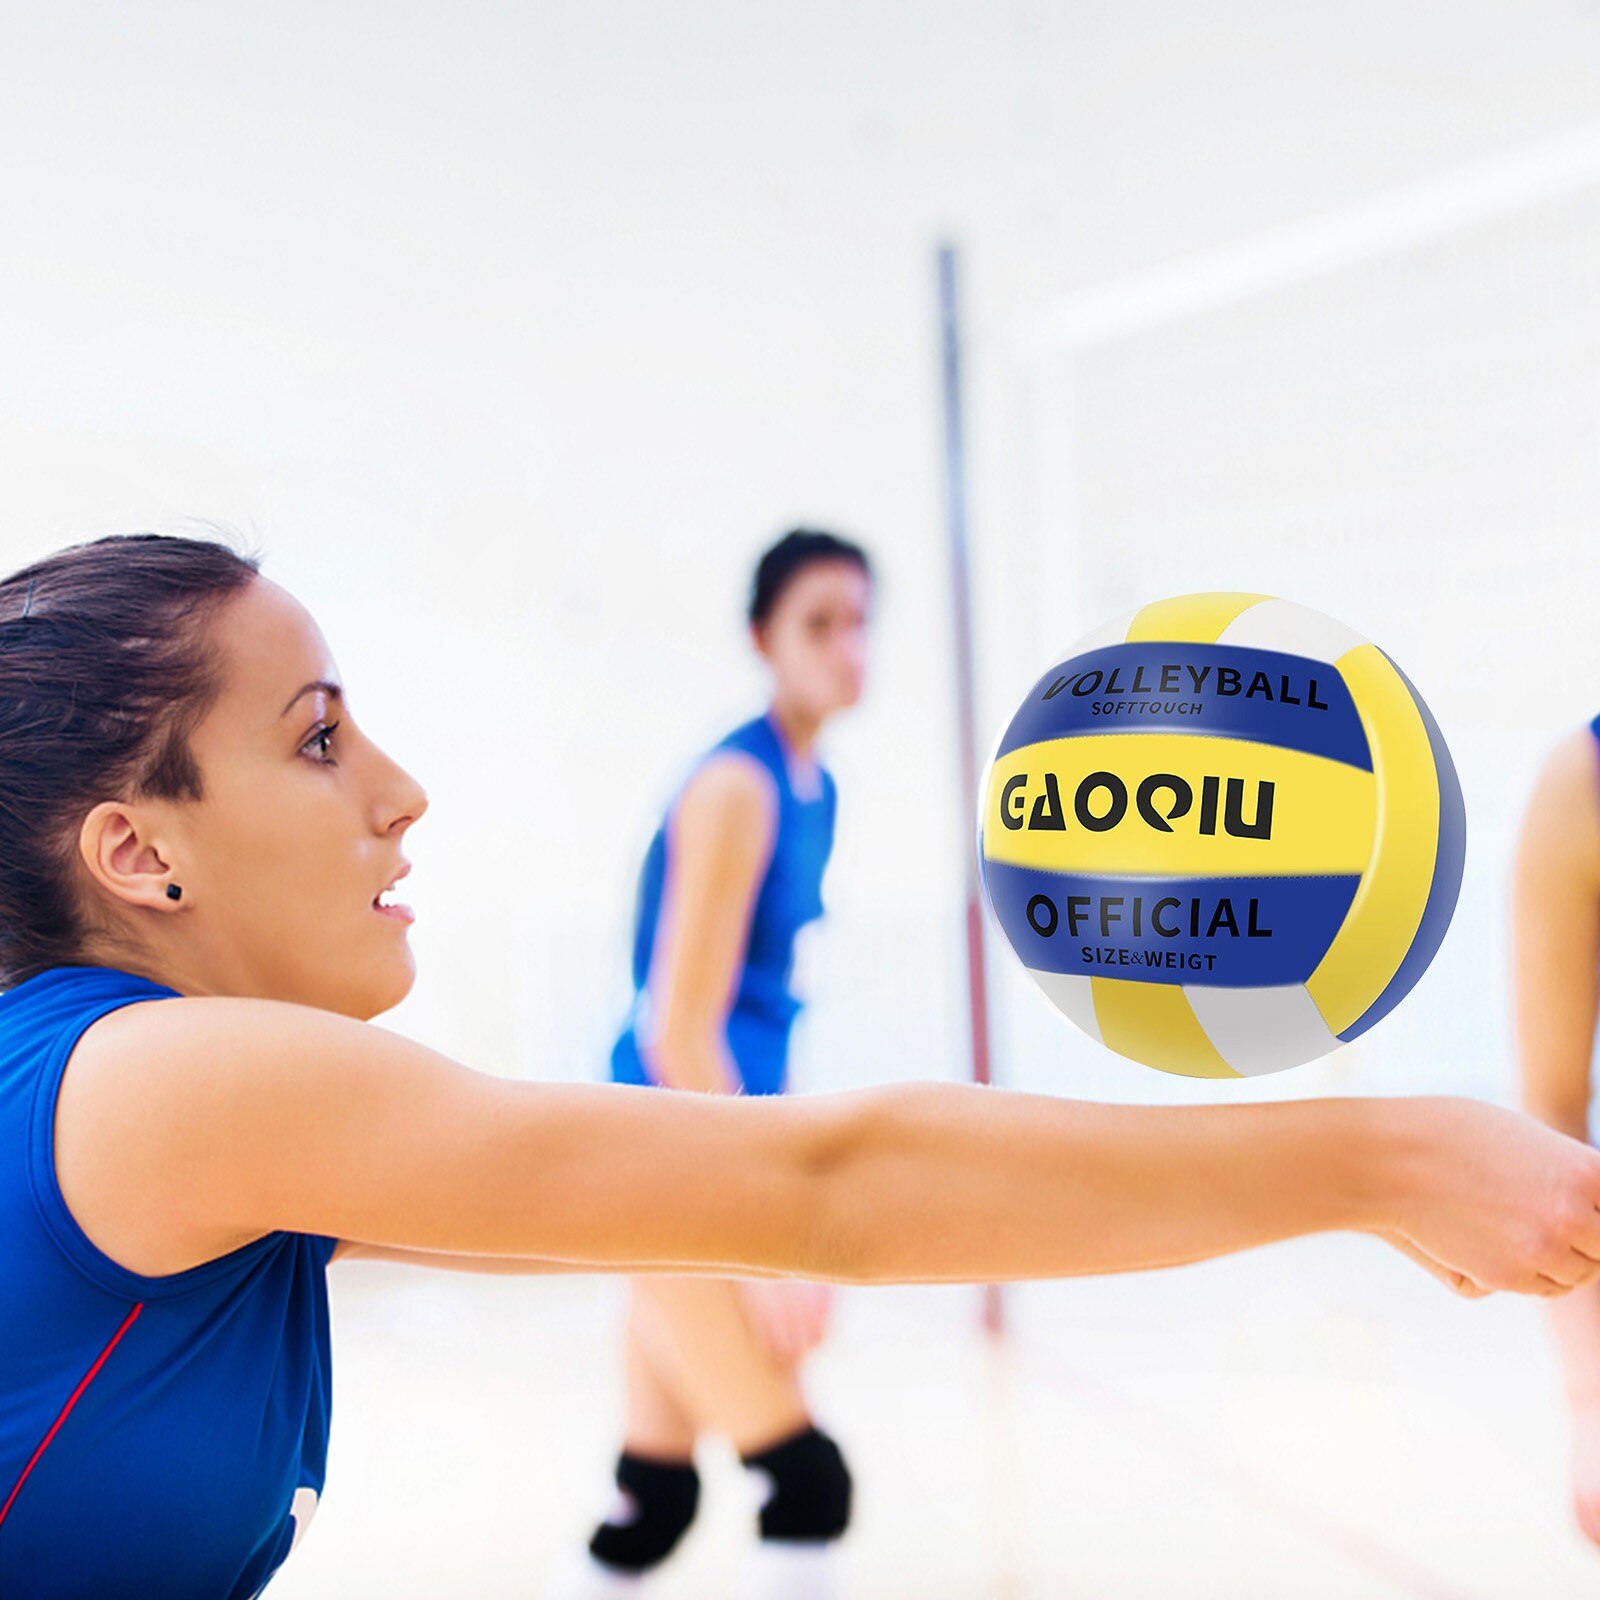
[514,332]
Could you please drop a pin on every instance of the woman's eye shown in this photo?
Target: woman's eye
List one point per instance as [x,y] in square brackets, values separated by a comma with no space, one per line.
[320,739]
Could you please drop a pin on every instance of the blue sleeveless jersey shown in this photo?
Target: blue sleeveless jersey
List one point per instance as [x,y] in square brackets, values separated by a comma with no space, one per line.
[160,1438]
[790,896]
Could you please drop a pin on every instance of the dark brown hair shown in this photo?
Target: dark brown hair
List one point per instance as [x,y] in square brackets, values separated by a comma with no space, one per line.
[791,555]
[107,666]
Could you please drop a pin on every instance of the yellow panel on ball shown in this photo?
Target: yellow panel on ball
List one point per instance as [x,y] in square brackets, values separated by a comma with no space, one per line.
[1393,896]
[1324,813]
[1155,1023]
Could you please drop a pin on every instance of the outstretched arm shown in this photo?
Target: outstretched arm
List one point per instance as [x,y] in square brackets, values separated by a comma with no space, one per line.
[189,1126]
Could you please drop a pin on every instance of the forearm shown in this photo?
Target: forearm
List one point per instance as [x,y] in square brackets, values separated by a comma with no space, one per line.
[895,1184]
[959,1183]
[911,1183]
[905,1183]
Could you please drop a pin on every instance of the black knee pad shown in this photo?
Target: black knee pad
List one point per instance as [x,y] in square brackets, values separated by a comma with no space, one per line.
[810,1496]
[664,1496]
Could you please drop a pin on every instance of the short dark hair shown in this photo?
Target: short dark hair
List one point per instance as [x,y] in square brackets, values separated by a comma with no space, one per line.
[107,666]
[796,550]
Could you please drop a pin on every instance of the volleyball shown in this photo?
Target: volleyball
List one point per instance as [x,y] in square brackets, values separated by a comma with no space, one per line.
[1223,834]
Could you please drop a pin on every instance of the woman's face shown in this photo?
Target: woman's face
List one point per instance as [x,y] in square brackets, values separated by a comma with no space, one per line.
[299,830]
[815,636]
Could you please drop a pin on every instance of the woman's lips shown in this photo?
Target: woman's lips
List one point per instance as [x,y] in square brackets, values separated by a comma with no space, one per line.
[395,909]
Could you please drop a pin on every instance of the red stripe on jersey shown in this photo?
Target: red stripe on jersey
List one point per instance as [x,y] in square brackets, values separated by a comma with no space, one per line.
[77,1394]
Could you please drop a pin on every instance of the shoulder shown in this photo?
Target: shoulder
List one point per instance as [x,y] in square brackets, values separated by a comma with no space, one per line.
[725,819]
[730,786]
[179,1072]
[202,1054]
[165,1099]
[165,1088]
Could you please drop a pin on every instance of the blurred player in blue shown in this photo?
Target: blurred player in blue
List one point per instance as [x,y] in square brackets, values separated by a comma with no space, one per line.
[732,875]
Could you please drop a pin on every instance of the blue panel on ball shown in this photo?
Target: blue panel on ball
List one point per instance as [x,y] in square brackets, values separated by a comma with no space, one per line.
[1233,932]
[1448,860]
[1234,691]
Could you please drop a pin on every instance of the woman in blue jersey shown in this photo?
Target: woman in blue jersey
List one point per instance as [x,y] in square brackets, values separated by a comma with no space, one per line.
[1555,904]
[730,878]
[198,843]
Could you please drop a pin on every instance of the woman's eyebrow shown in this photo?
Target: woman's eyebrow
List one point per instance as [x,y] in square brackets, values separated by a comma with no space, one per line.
[332,690]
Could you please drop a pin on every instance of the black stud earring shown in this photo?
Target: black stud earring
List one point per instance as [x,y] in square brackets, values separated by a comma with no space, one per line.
[173,891]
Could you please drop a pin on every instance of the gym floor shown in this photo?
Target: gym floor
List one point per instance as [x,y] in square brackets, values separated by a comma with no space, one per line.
[1316,1419]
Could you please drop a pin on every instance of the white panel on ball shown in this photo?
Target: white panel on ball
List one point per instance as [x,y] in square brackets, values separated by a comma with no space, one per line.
[1259,1030]
[1073,996]
[1298,630]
